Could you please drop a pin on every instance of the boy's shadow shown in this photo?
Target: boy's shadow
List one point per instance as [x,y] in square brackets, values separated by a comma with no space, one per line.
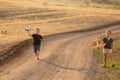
[68,68]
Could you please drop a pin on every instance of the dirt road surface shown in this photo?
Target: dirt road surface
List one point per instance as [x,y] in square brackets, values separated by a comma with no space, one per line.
[64,57]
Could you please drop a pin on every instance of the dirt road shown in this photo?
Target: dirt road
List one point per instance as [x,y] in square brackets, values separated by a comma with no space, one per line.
[64,57]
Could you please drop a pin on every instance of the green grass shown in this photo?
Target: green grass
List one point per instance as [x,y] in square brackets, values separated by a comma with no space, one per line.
[109,72]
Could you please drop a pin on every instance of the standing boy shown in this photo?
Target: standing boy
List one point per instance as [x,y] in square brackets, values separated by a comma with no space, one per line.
[107,50]
[37,41]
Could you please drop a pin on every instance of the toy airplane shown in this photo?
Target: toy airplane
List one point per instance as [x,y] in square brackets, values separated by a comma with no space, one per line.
[97,43]
[28,29]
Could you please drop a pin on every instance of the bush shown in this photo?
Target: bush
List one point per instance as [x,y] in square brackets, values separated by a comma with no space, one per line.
[4,32]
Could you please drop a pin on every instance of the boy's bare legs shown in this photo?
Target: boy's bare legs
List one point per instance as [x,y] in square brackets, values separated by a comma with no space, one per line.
[111,60]
[37,54]
[105,59]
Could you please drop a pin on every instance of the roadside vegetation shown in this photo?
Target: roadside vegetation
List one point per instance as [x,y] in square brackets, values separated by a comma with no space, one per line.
[110,73]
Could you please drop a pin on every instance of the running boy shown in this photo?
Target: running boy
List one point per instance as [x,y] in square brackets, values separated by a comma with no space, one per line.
[37,41]
[107,50]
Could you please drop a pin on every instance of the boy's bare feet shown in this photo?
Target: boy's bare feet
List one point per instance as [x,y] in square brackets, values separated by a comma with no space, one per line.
[38,58]
[113,65]
[104,66]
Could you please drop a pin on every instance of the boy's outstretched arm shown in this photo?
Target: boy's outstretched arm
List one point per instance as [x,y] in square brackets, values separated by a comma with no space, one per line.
[29,33]
[102,42]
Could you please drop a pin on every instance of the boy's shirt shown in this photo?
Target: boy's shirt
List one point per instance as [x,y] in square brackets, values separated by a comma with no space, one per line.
[108,42]
[37,39]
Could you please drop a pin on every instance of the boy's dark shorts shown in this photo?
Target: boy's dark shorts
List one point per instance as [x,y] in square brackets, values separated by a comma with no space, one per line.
[36,48]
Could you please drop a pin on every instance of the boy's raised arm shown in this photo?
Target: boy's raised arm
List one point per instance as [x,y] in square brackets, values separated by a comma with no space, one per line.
[29,33]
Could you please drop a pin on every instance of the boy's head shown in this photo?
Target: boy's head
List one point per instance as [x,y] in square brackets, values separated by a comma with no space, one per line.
[108,33]
[37,30]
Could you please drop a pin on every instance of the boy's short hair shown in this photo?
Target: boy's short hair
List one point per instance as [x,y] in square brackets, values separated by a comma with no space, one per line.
[108,31]
[37,28]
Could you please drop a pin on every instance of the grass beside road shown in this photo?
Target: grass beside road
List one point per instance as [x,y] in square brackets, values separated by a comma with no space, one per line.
[110,73]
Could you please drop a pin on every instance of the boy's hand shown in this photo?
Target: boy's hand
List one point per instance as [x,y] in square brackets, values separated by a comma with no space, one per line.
[26,29]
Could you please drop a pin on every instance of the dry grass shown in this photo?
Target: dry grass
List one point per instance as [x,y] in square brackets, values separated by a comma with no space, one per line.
[15,15]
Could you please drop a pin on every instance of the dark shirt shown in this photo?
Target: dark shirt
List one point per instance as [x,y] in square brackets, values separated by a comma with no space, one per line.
[108,42]
[37,39]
